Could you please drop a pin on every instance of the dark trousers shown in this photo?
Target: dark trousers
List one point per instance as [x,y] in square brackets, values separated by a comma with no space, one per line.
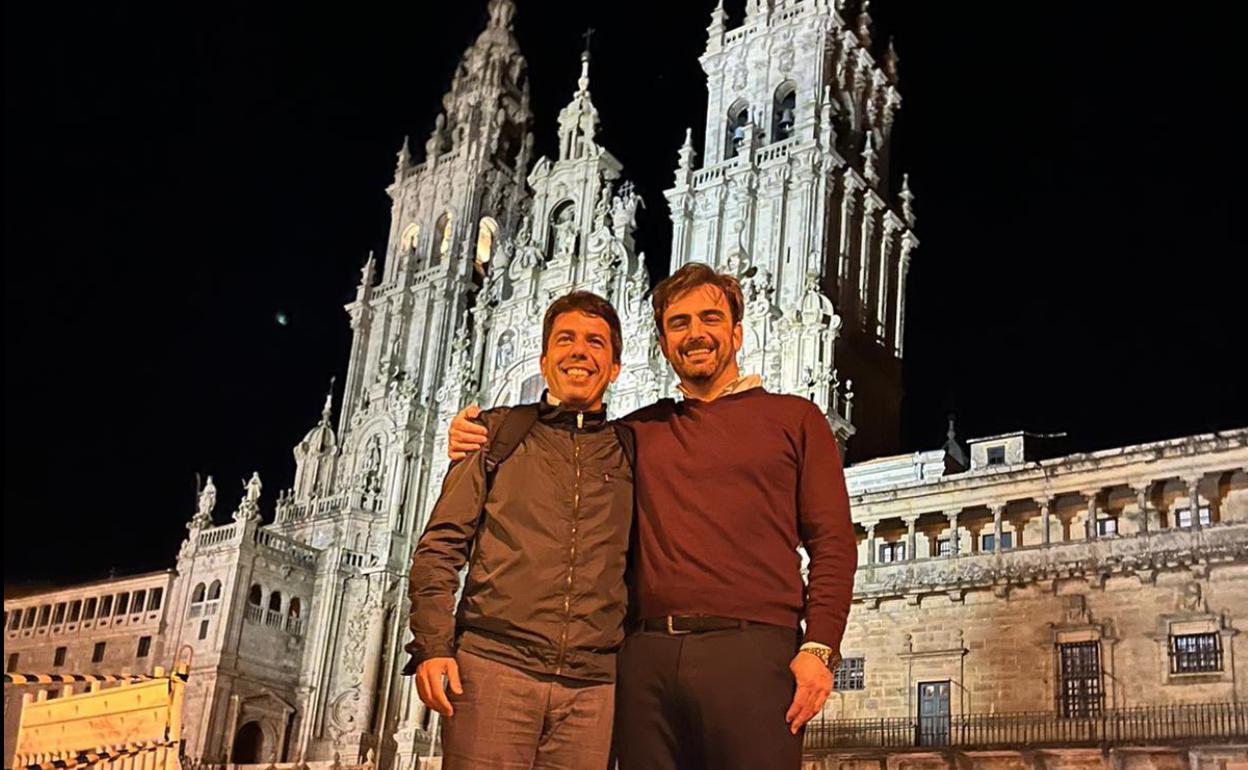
[712,700]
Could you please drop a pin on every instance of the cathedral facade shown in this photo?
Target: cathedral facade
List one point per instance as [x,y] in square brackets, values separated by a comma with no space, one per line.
[296,625]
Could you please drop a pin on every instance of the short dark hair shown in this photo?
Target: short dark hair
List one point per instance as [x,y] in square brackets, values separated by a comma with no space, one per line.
[590,304]
[690,277]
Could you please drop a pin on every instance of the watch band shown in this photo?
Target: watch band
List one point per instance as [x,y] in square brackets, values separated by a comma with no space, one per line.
[820,651]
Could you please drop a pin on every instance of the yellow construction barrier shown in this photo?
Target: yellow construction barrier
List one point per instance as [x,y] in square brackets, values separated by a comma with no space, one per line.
[134,725]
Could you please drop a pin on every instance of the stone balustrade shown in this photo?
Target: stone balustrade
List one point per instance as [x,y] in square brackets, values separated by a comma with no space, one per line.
[1095,560]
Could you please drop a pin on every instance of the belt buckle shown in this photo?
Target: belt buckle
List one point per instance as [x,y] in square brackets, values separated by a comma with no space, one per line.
[675,632]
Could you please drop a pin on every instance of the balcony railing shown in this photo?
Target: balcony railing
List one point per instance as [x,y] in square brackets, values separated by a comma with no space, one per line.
[1143,725]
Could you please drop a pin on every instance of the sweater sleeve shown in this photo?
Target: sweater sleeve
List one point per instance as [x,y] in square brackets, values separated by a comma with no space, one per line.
[826,531]
[439,556]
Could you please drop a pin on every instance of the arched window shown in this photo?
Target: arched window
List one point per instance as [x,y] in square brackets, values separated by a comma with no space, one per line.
[411,234]
[441,240]
[88,612]
[295,608]
[214,590]
[28,621]
[784,112]
[15,620]
[254,596]
[486,231]
[738,121]
[562,240]
[136,604]
[275,601]
[197,595]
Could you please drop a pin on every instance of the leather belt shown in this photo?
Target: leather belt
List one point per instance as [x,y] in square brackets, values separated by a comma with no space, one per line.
[678,625]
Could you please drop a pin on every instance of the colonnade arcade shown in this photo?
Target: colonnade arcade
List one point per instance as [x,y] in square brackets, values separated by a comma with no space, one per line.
[1021,519]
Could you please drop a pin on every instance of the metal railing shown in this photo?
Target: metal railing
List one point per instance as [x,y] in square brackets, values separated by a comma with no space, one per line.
[1145,724]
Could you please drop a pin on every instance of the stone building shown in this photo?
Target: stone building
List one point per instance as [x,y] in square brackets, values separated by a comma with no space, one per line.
[980,576]
[116,626]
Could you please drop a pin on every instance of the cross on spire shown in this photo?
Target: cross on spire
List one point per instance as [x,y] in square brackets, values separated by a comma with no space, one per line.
[588,35]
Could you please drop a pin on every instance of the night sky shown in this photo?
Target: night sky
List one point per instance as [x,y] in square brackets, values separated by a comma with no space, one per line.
[177,175]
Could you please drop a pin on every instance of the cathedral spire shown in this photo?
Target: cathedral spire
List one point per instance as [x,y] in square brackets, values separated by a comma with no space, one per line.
[869,170]
[864,24]
[715,31]
[578,122]
[327,411]
[405,154]
[907,200]
[892,62]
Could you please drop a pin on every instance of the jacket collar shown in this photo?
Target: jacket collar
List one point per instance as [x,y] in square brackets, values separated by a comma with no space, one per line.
[554,413]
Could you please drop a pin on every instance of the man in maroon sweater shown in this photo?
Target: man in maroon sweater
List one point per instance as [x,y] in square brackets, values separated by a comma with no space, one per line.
[717,672]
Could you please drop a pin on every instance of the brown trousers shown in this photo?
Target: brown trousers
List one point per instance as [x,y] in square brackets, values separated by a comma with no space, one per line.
[508,719]
[714,700]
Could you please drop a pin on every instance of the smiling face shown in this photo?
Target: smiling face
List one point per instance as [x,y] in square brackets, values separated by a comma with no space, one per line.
[700,339]
[579,362]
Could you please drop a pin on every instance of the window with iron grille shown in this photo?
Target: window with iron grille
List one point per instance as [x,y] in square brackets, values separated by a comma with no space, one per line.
[849,674]
[1081,694]
[1195,653]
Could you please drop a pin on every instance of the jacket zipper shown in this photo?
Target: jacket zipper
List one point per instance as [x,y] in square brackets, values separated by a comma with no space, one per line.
[576,509]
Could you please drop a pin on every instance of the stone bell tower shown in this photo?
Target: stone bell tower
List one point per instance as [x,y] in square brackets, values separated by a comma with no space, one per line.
[793,196]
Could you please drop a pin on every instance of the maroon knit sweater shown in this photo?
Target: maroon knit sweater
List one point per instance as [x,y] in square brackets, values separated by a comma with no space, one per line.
[726,490]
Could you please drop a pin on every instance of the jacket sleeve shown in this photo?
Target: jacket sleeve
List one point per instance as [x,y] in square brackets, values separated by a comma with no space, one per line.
[439,556]
[826,531]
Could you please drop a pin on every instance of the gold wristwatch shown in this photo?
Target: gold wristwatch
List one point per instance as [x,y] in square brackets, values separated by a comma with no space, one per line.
[820,651]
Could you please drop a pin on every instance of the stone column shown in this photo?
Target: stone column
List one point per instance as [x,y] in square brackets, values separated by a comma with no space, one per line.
[1193,496]
[870,542]
[952,516]
[1141,502]
[1045,518]
[997,509]
[910,536]
[1090,530]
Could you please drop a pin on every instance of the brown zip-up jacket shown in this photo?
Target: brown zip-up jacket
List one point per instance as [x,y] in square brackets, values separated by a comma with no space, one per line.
[545,544]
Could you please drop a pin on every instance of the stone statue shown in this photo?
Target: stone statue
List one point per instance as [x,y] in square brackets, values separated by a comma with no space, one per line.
[396,347]
[252,487]
[207,500]
[565,234]
[624,210]
[603,206]
[249,507]
[437,139]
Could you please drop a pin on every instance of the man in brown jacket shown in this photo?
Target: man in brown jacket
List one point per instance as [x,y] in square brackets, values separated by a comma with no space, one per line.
[543,525]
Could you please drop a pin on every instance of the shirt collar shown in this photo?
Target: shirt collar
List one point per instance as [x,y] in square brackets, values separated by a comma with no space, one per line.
[739,385]
[553,411]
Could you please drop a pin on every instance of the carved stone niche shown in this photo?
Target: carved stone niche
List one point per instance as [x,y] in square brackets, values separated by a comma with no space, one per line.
[1078,625]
